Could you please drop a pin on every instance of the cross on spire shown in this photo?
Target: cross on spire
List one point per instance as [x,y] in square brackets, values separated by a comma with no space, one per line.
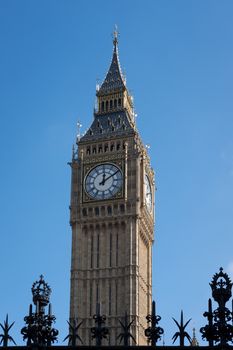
[115,35]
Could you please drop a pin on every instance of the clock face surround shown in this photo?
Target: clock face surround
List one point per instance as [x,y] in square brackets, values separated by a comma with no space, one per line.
[103,181]
[148,193]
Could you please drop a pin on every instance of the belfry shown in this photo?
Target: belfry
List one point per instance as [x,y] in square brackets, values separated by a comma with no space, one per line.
[112,215]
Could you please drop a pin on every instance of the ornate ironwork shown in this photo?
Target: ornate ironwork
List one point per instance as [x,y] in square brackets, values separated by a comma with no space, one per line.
[219,331]
[153,332]
[73,335]
[182,334]
[126,335]
[5,336]
[38,329]
[100,331]
[209,332]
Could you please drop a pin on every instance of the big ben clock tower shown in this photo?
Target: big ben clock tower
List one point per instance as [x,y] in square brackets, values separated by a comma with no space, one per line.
[112,215]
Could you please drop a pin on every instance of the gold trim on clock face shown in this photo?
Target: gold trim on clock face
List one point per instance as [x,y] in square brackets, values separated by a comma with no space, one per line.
[103,181]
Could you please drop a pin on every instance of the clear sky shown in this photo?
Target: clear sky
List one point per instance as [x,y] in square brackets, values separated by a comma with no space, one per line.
[177,55]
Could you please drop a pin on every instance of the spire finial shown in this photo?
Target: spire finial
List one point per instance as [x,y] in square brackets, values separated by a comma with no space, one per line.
[115,35]
[79,125]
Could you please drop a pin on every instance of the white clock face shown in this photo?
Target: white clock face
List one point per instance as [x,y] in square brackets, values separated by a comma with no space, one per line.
[103,181]
[148,193]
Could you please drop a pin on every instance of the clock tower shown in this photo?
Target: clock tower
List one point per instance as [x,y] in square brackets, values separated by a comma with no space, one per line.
[112,215]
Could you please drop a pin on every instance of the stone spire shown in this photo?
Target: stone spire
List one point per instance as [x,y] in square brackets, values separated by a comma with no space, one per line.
[114,80]
[194,341]
[114,112]
[113,95]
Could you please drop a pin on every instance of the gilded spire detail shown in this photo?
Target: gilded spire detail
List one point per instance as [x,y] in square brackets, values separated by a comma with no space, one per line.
[115,36]
[114,80]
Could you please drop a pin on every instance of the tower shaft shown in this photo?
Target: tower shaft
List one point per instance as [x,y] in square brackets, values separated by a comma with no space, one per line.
[112,216]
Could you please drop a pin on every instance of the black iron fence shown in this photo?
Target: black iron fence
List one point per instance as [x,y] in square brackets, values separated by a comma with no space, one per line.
[39,331]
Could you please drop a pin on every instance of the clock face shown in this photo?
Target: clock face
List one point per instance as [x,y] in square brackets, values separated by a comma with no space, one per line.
[148,193]
[103,181]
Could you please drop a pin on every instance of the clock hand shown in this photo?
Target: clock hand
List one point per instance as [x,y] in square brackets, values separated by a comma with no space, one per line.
[103,180]
[111,176]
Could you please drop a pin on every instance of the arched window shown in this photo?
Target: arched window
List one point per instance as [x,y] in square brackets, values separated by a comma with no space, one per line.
[112,147]
[115,103]
[109,209]
[92,249]
[102,106]
[88,150]
[97,211]
[118,146]
[106,147]
[97,292]
[110,250]
[98,251]
[90,299]
[117,246]
[116,302]
[110,299]
[110,104]
[106,105]
[119,102]
[122,208]
[84,212]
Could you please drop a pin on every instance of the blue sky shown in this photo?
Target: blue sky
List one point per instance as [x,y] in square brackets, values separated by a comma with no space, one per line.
[177,56]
